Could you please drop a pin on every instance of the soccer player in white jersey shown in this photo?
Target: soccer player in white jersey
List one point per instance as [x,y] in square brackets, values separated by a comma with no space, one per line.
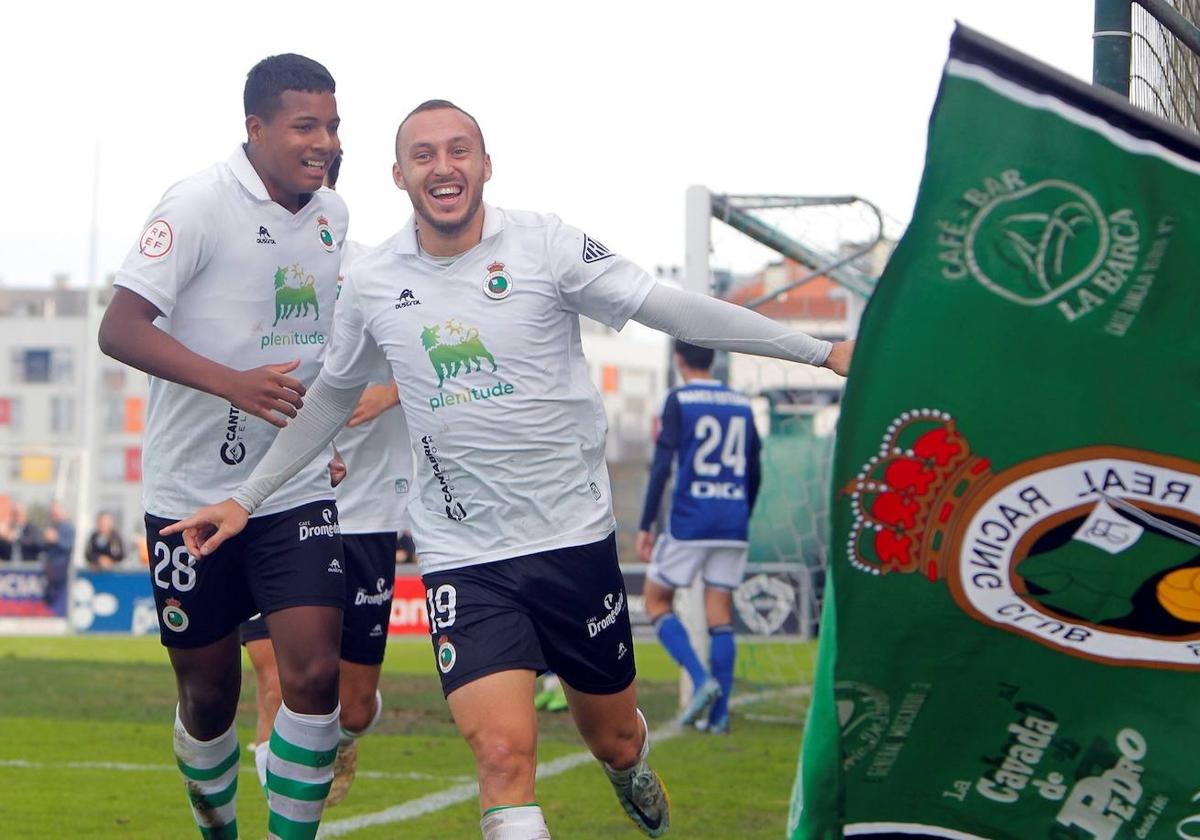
[707,430]
[227,302]
[371,472]
[477,310]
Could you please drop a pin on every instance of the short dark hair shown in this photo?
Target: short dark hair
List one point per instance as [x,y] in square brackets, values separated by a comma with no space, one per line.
[439,105]
[267,80]
[335,169]
[697,358]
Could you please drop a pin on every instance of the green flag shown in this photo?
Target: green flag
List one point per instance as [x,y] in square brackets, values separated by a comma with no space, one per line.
[1011,639]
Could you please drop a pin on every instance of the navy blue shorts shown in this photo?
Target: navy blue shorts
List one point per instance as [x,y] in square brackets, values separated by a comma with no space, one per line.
[563,610]
[370,578]
[287,559]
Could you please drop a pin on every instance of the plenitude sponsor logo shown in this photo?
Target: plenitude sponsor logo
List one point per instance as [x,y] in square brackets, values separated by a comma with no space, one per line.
[442,399]
[274,339]
[452,359]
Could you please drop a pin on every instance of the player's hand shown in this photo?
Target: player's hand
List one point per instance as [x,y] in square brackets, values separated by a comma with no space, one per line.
[839,357]
[375,400]
[337,468]
[267,392]
[205,530]
[645,546]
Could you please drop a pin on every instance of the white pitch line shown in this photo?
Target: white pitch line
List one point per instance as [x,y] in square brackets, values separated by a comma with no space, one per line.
[464,793]
[22,764]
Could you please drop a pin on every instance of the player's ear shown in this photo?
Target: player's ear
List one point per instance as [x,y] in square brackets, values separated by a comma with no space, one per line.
[255,129]
[398,176]
[487,168]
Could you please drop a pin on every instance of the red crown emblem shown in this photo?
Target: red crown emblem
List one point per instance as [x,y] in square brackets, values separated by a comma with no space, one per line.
[495,267]
[903,497]
[321,220]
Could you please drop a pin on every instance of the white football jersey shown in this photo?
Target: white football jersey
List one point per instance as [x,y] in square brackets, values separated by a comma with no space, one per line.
[507,428]
[379,465]
[241,281]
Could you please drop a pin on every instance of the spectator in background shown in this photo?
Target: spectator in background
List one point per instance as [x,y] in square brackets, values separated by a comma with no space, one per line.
[59,540]
[28,540]
[142,548]
[105,548]
[7,538]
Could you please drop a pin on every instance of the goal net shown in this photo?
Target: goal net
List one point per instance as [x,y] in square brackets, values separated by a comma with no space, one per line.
[808,262]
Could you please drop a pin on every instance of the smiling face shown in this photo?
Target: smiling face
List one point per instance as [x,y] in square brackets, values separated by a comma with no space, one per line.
[292,149]
[442,165]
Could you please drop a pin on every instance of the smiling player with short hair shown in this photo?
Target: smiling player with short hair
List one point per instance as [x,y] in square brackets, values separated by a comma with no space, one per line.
[477,310]
[227,302]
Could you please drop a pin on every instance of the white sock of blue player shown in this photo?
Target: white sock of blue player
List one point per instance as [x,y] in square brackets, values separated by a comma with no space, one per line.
[514,822]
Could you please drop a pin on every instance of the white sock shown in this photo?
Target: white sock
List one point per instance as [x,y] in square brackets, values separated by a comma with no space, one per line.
[300,762]
[210,772]
[551,682]
[261,751]
[514,822]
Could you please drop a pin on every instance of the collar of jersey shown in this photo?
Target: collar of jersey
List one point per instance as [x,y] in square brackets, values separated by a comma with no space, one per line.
[405,241]
[247,177]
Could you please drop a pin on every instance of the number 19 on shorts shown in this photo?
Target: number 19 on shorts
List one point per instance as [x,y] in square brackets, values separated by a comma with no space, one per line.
[442,602]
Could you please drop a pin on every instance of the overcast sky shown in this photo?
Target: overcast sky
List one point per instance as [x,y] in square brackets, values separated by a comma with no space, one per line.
[603,113]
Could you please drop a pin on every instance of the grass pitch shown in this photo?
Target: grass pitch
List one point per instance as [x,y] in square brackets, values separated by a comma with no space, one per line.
[85,751]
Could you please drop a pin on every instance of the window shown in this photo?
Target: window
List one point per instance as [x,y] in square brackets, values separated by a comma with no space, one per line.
[43,364]
[112,466]
[62,414]
[114,379]
[114,413]
[10,413]
[34,366]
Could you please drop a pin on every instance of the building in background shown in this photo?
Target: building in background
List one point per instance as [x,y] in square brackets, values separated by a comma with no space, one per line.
[43,342]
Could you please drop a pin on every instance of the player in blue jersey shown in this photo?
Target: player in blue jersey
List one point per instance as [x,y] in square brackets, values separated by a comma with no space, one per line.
[708,433]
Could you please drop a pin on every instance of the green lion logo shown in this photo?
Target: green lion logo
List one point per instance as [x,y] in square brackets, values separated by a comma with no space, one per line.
[295,300]
[449,359]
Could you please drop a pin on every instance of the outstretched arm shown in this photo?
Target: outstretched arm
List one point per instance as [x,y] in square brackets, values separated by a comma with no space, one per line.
[721,325]
[325,412]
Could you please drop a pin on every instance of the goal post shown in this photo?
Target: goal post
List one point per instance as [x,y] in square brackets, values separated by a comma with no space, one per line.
[810,262]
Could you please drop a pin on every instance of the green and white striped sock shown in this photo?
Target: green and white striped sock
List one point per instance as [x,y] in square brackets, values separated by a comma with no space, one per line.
[210,774]
[299,772]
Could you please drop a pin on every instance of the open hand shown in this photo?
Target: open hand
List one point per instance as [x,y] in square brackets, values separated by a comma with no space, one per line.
[645,546]
[375,400]
[267,392]
[205,530]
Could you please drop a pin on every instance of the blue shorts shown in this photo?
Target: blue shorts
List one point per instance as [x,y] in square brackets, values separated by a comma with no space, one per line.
[563,610]
[287,559]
